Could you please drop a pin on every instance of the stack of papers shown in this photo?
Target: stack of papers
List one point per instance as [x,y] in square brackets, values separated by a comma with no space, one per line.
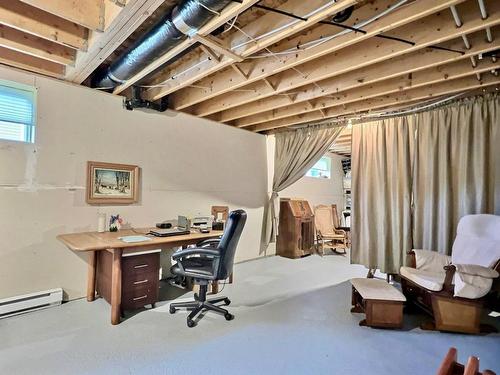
[130,239]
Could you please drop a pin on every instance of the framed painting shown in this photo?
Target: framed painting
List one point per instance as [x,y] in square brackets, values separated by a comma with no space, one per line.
[109,183]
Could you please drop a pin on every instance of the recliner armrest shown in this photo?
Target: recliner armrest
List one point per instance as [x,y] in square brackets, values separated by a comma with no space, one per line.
[195,251]
[448,280]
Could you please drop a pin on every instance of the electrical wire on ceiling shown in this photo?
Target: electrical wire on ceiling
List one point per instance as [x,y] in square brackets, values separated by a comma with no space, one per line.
[275,55]
[319,41]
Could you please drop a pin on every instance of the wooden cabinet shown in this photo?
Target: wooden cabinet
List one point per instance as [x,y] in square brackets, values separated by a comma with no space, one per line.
[139,278]
[296,229]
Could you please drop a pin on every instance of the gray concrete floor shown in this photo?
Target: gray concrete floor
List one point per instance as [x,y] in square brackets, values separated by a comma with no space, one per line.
[292,317]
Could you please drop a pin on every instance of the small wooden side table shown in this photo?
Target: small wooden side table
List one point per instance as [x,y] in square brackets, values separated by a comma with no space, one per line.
[381,302]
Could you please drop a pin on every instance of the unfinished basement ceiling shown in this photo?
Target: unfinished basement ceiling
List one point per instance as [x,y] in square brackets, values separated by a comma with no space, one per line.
[282,63]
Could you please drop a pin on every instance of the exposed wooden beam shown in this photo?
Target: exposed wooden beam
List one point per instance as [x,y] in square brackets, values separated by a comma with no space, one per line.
[88,13]
[405,64]
[238,70]
[268,83]
[425,77]
[215,44]
[229,12]
[227,81]
[421,93]
[32,45]
[42,24]
[30,63]
[210,52]
[101,45]
[431,30]
[314,10]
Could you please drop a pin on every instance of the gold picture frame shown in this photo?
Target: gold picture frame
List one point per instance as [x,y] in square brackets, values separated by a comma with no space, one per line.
[111,183]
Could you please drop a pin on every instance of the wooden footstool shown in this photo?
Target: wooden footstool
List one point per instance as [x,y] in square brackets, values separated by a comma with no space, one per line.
[381,302]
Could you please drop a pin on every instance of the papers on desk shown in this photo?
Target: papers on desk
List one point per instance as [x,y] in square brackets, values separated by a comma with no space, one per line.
[132,239]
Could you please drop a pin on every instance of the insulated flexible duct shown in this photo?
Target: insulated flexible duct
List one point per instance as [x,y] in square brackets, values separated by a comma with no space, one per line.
[186,19]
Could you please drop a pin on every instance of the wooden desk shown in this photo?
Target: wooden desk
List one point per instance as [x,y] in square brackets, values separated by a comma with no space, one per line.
[92,242]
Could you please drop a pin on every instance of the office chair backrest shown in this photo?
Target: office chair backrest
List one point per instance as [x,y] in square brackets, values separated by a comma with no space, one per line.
[229,242]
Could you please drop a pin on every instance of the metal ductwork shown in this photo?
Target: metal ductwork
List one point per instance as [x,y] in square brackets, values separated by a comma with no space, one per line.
[185,20]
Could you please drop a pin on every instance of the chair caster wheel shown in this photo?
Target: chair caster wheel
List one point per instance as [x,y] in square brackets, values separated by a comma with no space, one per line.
[229,316]
[172,310]
[227,301]
[191,323]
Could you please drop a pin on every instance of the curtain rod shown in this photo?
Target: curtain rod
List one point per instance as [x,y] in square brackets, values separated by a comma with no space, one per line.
[363,118]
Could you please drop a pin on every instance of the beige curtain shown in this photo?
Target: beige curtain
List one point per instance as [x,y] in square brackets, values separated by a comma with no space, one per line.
[381,167]
[296,151]
[454,174]
[414,177]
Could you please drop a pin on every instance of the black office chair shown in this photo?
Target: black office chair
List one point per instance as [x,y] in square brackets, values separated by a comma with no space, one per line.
[210,260]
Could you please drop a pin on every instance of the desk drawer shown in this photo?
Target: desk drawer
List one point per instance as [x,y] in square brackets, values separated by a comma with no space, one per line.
[139,296]
[140,280]
[133,282]
[139,265]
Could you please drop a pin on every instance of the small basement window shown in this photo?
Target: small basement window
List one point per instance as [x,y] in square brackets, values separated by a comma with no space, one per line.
[17,112]
[322,169]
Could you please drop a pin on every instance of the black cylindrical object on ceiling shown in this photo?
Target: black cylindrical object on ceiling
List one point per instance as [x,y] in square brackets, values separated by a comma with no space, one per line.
[186,19]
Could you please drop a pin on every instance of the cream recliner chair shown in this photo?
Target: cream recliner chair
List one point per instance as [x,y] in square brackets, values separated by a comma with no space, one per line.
[453,288]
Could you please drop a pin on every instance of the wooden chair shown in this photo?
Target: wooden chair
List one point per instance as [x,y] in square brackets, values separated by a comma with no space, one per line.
[450,366]
[223,210]
[327,234]
[429,281]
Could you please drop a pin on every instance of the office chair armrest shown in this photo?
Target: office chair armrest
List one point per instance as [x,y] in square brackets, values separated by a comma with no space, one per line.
[211,242]
[195,251]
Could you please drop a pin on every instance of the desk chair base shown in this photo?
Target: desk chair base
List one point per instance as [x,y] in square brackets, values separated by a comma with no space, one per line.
[201,304]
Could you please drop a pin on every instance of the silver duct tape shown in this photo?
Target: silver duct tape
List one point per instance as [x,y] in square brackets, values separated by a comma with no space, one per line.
[115,79]
[181,25]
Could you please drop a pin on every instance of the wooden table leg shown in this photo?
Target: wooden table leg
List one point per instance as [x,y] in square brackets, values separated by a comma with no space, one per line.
[215,287]
[116,287]
[91,275]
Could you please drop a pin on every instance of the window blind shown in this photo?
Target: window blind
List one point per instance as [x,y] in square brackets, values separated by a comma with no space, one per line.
[17,112]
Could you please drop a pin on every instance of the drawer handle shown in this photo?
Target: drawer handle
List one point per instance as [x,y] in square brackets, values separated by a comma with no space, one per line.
[141,266]
[141,282]
[139,298]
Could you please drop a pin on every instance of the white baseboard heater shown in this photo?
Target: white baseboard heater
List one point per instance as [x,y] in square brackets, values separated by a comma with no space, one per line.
[30,302]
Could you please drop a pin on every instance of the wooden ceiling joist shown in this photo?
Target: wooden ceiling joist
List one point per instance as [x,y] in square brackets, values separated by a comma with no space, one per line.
[270,66]
[101,45]
[422,93]
[425,32]
[87,13]
[28,19]
[227,14]
[244,46]
[31,63]
[209,52]
[215,44]
[405,64]
[32,45]
[421,78]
